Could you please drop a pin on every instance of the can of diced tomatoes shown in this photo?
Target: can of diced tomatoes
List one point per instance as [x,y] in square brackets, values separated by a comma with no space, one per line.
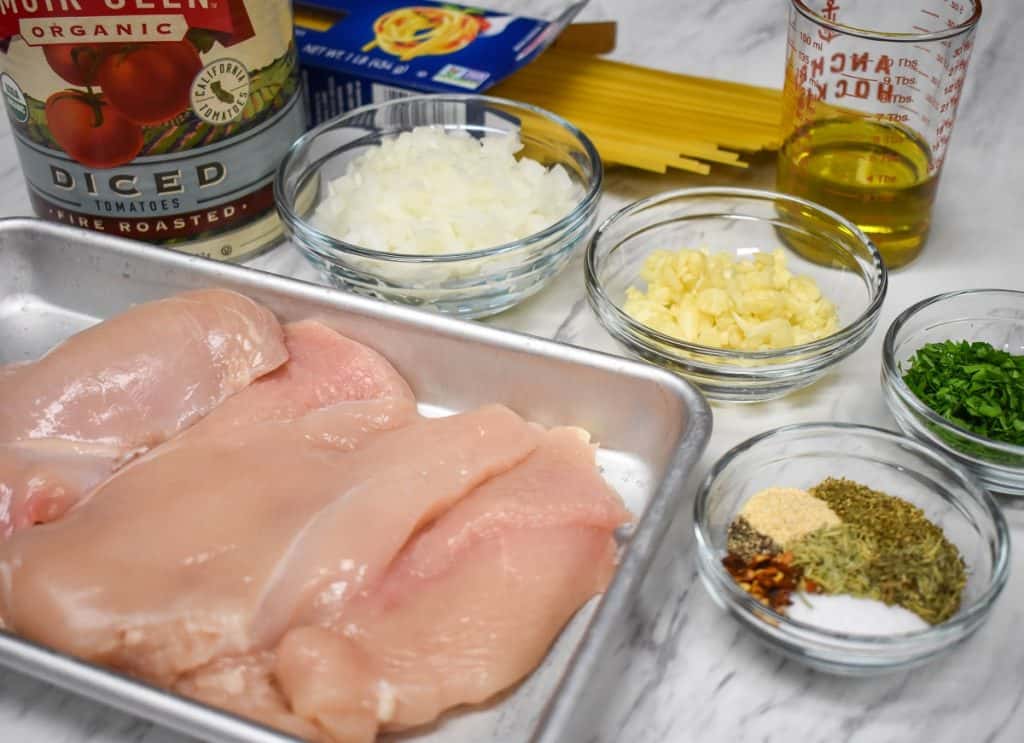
[158,120]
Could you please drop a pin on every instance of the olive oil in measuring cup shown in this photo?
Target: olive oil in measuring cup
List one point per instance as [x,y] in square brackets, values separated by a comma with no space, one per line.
[871,93]
[876,174]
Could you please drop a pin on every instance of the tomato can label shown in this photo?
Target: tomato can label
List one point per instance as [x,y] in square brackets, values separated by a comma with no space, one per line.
[158,120]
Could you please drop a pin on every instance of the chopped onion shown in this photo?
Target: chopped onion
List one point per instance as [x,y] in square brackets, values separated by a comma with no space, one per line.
[431,191]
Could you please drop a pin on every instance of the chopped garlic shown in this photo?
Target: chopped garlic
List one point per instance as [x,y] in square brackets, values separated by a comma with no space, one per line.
[714,300]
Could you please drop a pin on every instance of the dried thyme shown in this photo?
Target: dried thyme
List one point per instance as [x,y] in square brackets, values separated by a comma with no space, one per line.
[912,563]
[838,559]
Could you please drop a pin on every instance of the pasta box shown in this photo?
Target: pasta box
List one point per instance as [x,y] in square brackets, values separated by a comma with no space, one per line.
[356,52]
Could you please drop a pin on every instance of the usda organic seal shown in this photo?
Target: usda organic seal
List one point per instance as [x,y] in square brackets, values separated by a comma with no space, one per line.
[15,99]
[220,91]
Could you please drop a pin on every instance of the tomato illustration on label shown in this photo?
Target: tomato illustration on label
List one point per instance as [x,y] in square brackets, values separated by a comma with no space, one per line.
[153,120]
[76,63]
[150,83]
[139,84]
[90,130]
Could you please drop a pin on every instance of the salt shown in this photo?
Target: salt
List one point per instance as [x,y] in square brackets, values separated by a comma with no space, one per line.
[853,615]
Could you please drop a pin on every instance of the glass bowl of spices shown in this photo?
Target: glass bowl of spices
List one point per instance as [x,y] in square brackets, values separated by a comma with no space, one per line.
[851,549]
[953,376]
[459,204]
[749,294]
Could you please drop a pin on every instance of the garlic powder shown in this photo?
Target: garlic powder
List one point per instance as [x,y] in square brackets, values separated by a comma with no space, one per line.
[786,514]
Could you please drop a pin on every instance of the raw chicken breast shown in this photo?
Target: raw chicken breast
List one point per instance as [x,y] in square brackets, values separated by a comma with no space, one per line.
[245,686]
[41,479]
[120,388]
[140,377]
[324,368]
[311,553]
[460,638]
[469,608]
[188,554]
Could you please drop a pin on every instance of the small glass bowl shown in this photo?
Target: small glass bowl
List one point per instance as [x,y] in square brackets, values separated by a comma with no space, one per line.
[817,243]
[992,315]
[803,455]
[468,285]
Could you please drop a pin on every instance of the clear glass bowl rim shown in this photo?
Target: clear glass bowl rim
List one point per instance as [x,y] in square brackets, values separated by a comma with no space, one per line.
[907,396]
[903,641]
[553,231]
[841,336]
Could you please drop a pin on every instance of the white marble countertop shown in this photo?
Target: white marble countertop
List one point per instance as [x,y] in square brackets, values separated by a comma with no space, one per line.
[695,674]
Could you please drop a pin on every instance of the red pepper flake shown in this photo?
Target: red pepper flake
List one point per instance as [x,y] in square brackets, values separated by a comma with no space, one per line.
[771,579]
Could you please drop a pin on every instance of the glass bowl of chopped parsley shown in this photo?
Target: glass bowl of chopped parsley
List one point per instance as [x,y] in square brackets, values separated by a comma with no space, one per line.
[851,549]
[953,377]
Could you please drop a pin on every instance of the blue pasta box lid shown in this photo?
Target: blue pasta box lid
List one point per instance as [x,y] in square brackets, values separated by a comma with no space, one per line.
[423,46]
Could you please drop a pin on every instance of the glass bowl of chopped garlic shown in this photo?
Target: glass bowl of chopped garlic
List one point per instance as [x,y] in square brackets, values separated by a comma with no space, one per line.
[749,294]
[953,377]
[851,549]
[460,204]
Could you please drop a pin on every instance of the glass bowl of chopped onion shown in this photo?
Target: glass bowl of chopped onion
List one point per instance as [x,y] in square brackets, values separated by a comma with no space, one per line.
[851,549]
[460,204]
[749,294]
[953,377]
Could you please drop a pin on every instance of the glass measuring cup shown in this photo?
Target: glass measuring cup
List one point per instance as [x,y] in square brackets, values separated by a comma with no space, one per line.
[870,97]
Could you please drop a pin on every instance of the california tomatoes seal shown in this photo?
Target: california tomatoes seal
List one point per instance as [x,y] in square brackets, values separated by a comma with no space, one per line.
[150,83]
[90,130]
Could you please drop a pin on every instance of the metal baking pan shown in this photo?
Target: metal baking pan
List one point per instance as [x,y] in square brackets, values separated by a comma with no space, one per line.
[651,425]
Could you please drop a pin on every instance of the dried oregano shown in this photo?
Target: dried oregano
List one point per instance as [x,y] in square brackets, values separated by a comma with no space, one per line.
[885,549]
